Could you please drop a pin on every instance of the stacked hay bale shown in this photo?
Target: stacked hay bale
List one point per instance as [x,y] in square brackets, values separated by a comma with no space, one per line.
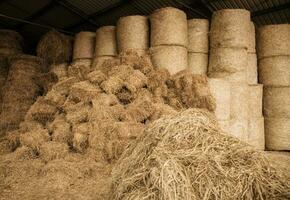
[55,48]
[83,53]
[133,34]
[169,39]
[106,45]
[232,42]
[198,45]
[274,62]
[20,90]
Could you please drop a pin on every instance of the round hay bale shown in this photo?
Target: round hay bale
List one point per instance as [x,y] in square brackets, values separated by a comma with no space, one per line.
[198,40]
[84,45]
[252,38]
[221,91]
[198,62]
[11,40]
[99,61]
[275,71]
[9,51]
[255,101]
[172,58]
[239,101]
[229,60]
[277,133]
[273,40]
[168,27]
[256,133]
[106,44]
[60,70]
[132,33]
[54,47]
[239,128]
[252,69]
[224,125]
[230,28]
[237,77]
[276,102]
[80,68]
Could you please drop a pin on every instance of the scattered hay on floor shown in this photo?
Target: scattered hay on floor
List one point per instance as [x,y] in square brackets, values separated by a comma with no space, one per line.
[185,156]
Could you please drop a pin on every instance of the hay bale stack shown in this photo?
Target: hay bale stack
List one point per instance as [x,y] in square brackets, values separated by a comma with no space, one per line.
[79,68]
[106,44]
[172,58]
[221,91]
[230,28]
[168,27]
[273,40]
[20,90]
[198,40]
[252,69]
[84,45]
[198,62]
[252,38]
[11,42]
[55,48]
[99,61]
[255,101]
[277,133]
[274,71]
[133,33]
[60,70]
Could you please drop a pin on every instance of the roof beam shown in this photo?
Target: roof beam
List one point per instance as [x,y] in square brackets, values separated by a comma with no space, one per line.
[271,10]
[100,12]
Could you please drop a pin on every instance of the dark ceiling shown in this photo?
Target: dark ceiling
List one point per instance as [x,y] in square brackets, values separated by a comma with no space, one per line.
[32,18]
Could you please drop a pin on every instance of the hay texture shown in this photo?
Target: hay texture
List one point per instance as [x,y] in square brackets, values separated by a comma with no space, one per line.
[274,71]
[172,58]
[183,154]
[224,125]
[239,128]
[256,133]
[55,48]
[11,42]
[79,68]
[252,69]
[230,28]
[239,100]
[60,70]
[168,27]
[255,101]
[198,62]
[277,132]
[84,45]
[273,40]
[221,91]
[276,102]
[198,35]
[133,33]
[252,38]
[106,42]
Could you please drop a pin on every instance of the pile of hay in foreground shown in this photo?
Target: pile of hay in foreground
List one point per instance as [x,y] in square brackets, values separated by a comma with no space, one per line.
[185,156]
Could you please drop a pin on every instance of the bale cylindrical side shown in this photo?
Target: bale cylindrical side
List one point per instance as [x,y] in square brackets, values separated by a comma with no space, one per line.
[276,102]
[224,125]
[239,128]
[277,133]
[172,58]
[256,133]
[255,101]
[84,45]
[198,40]
[80,68]
[239,100]
[229,60]
[198,62]
[11,40]
[273,40]
[275,71]
[252,69]
[9,51]
[168,27]
[60,70]
[98,61]
[237,77]
[229,28]
[252,38]
[132,33]
[106,41]
[220,89]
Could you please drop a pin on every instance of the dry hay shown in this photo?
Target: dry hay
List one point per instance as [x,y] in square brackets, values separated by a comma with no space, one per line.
[60,70]
[185,156]
[53,150]
[10,39]
[54,47]
[106,42]
[198,31]
[84,45]
[198,63]
[252,69]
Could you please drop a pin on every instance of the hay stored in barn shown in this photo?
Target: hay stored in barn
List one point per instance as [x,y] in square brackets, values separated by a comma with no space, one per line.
[252,38]
[168,27]
[55,47]
[11,41]
[198,35]
[255,101]
[256,133]
[84,45]
[198,63]
[106,41]
[252,69]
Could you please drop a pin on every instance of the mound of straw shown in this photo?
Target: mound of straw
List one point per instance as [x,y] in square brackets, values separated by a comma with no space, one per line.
[55,47]
[186,156]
